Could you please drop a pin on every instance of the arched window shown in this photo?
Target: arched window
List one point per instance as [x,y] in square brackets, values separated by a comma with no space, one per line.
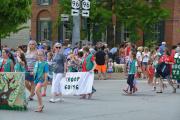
[44,2]
[44,30]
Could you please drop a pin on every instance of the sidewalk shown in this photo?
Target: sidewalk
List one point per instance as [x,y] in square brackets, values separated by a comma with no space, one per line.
[115,76]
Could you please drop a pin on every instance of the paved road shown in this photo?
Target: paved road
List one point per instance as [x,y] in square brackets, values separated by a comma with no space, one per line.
[109,103]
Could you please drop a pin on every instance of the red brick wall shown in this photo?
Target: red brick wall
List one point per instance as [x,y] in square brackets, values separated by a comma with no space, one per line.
[169,23]
[172,25]
[53,11]
[176,23]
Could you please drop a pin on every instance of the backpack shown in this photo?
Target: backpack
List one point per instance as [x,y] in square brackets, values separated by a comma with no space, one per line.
[90,64]
[163,69]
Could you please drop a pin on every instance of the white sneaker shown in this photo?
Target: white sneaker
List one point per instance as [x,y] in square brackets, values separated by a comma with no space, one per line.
[59,100]
[52,100]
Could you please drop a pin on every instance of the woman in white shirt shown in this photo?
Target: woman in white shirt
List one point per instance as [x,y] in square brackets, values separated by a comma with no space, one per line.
[145,60]
[139,60]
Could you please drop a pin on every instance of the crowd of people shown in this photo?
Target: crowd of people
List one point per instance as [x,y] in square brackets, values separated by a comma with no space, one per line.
[44,65]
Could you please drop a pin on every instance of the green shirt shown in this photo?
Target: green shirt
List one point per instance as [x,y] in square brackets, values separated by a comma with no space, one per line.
[132,67]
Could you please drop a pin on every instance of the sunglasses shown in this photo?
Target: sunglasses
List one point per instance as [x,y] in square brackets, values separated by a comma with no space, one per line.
[58,47]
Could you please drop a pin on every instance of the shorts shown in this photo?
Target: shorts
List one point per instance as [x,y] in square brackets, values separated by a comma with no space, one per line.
[29,77]
[101,68]
[145,63]
[110,70]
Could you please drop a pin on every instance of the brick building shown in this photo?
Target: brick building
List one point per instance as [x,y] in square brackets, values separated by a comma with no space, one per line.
[43,20]
[172,25]
[45,14]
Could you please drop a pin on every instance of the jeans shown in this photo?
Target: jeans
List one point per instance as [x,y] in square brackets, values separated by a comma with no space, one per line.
[130,81]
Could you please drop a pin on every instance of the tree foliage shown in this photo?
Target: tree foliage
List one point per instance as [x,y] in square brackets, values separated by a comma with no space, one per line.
[100,14]
[13,13]
[134,14]
[140,14]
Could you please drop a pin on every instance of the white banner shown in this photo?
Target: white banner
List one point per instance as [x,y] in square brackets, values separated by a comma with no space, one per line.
[77,83]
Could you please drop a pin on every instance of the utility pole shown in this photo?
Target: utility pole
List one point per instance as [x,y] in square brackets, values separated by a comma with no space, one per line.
[114,22]
[75,12]
[76,30]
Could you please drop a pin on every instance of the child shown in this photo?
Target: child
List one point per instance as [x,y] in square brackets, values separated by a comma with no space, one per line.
[132,68]
[40,78]
[50,73]
[151,72]
[80,60]
[7,61]
[72,64]
[110,68]
[21,63]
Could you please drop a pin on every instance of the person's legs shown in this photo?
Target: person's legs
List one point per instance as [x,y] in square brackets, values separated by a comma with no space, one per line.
[171,83]
[56,88]
[27,84]
[131,83]
[32,88]
[178,83]
[128,84]
[154,83]
[60,77]
[144,70]
[98,67]
[161,85]
[104,71]
[44,91]
[93,91]
[39,97]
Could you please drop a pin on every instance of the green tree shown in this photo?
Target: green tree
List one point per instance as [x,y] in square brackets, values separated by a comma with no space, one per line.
[135,15]
[13,13]
[100,14]
[140,15]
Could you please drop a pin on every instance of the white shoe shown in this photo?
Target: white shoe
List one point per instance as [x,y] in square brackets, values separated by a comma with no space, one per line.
[57,100]
[52,100]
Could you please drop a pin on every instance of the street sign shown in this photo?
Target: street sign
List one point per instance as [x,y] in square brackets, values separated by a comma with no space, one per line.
[85,13]
[75,4]
[74,12]
[64,17]
[86,4]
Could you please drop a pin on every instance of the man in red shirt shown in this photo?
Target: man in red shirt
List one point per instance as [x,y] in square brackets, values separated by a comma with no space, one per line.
[88,65]
[168,60]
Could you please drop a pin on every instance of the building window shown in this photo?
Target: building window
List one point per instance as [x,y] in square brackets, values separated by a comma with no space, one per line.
[125,34]
[156,33]
[44,2]
[44,30]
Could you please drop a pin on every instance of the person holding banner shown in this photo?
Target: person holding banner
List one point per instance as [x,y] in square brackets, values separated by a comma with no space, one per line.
[58,73]
[7,62]
[88,65]
[40,78]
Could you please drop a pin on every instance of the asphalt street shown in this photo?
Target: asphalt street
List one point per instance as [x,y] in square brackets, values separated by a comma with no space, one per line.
[108,103]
